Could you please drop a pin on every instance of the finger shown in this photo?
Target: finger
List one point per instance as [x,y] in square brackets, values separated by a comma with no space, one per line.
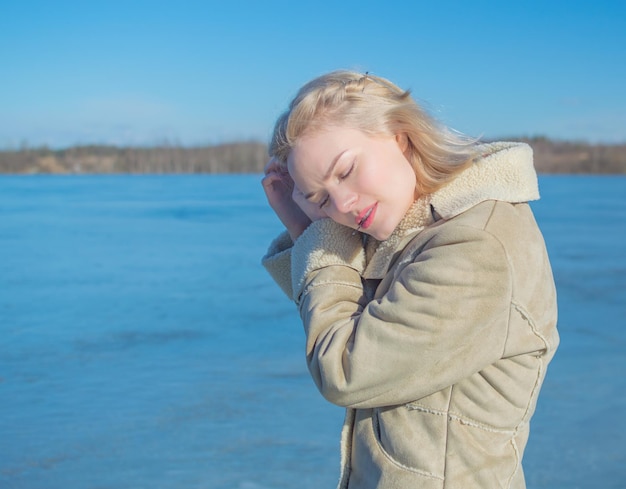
[274,165]
[269,178]
[273,177]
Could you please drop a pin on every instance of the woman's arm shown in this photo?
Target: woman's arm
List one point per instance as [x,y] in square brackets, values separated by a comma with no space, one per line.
[443,318]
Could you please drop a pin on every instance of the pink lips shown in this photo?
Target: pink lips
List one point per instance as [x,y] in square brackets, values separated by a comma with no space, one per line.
[365,218]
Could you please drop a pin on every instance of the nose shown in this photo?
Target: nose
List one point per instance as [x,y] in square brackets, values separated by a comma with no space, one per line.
[343,200]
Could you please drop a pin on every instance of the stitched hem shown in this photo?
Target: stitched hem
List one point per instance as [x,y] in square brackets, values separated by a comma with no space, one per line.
[331,282]
[541,367]
[460,418]
[526,315]
[517,461]
[445,450]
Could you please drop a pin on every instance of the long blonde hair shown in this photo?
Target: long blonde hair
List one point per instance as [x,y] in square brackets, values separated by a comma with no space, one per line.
[377,107]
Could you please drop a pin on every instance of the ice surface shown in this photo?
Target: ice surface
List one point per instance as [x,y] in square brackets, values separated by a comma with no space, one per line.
[142,344]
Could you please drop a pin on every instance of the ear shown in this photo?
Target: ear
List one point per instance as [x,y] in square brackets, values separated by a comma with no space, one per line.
[403,142]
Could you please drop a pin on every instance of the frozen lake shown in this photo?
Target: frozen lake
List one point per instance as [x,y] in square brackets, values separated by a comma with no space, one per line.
[142,345]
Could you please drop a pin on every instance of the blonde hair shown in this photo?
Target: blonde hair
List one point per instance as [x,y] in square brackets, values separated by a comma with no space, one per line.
[377,107]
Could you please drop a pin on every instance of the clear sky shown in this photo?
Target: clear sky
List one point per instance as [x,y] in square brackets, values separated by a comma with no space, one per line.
[204,72]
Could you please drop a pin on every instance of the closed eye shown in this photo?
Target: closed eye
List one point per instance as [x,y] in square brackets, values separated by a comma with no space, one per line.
[347,174]
[343,176]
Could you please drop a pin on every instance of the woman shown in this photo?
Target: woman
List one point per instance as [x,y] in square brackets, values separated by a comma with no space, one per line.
[422,281]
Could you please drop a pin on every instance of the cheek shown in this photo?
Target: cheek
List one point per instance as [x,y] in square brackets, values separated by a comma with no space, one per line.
[393,173]
[404,175]
[366,183]
[372,177]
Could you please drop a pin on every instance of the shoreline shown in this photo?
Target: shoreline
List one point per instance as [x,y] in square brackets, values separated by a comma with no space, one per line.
[551,157]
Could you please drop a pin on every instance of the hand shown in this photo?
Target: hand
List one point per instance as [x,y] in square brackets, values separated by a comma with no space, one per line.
[279,188]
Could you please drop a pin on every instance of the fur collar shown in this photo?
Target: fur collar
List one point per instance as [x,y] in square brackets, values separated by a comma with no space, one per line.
[503,171]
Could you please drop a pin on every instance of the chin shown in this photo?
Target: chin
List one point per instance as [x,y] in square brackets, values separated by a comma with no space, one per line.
[380,236]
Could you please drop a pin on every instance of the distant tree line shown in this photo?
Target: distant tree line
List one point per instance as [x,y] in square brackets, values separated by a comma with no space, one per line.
[250,157]
[577,157]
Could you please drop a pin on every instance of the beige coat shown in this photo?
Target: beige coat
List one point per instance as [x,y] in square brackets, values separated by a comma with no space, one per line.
[437,339]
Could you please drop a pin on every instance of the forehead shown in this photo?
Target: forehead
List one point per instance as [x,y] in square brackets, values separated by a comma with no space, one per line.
[318,149]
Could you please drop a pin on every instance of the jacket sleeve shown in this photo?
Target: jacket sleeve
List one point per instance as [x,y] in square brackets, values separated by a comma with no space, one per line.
[323,243]
[443,318]
[277,261]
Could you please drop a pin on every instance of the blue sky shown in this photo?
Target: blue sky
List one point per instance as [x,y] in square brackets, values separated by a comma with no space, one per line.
[204,72]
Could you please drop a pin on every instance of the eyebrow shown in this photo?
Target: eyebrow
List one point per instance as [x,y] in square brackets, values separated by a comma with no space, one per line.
[329,173]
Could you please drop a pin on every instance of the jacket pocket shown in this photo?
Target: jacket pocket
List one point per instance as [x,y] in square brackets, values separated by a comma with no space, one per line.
[411,439]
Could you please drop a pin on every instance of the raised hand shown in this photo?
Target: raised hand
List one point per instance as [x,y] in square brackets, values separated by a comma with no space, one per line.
[279,190]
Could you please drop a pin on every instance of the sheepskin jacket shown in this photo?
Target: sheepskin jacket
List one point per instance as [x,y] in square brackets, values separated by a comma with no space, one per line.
[437,339]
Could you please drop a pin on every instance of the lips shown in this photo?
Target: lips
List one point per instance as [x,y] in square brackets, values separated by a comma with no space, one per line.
[366,217]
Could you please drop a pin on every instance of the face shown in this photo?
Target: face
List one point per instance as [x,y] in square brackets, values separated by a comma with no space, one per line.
[357,180]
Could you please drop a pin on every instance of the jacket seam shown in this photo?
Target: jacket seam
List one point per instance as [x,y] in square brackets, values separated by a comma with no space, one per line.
[527,316]
[312,286]
[331,282]
[445,448]
[475,424]
[460,418]
[541,367]
[509,269]
[517,459]
[517,306]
